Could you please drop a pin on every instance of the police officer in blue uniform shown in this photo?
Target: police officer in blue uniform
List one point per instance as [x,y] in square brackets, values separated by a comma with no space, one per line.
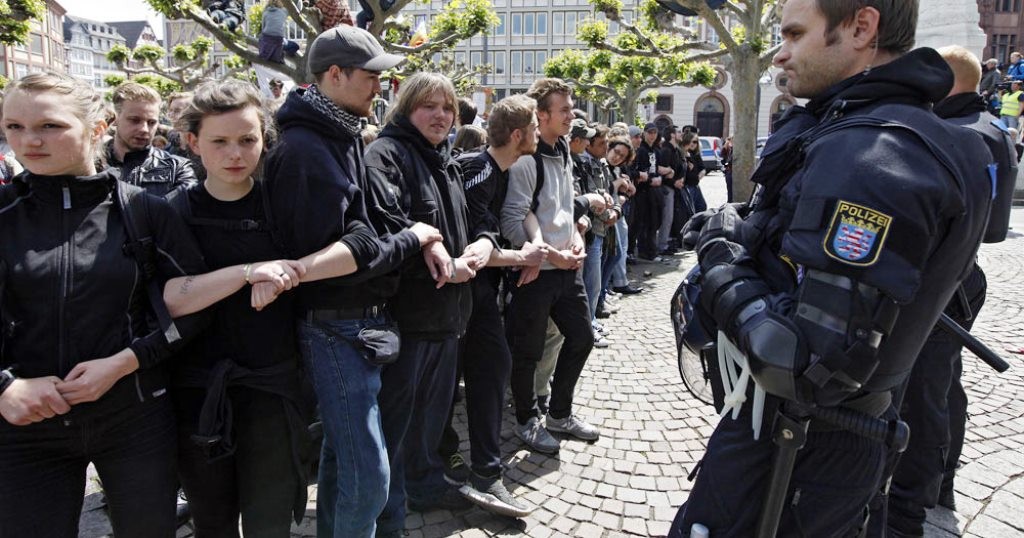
[933,402]
[869,212]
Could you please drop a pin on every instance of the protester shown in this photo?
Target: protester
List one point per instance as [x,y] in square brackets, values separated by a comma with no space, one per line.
[872,254]
[469,138]
[486,360]
[411,175]
[84,354]
[251,460]
[621,154]
[557,292]
[131,148]
[315,176]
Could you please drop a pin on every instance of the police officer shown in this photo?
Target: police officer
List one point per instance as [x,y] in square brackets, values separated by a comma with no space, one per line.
[933,402]
[833,280]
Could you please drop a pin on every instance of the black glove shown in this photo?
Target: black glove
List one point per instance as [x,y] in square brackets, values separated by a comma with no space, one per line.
[718,251]
[724,221]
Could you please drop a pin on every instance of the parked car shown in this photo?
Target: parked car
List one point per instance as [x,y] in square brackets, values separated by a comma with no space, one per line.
[711,152]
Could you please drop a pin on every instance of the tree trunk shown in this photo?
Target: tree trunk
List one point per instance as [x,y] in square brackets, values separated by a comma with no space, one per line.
[746,72]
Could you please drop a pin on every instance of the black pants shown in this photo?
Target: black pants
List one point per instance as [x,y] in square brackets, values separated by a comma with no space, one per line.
[934,405]
[258,482]
[559,295]
[486,364]
[43,466]
[835,476]
[649,203]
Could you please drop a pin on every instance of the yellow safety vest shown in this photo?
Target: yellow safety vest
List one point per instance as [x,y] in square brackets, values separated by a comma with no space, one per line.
[1011,104]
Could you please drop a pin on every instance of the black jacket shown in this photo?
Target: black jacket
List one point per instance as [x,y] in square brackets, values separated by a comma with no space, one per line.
[898,160]
[315,181]
[153,169]
[412,181]
[70,293]
[969,110]
[646,161]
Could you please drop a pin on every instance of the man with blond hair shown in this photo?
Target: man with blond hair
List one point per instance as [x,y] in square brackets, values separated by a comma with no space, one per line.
[934,403]
[131,149]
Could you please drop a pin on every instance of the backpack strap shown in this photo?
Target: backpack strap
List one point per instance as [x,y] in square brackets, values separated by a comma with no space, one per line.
[134,208]
[540,181]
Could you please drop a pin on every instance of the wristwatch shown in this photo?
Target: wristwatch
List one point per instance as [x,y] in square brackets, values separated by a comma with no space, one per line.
[6,378]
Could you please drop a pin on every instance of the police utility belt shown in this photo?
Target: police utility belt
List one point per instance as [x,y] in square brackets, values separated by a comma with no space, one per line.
[873,404]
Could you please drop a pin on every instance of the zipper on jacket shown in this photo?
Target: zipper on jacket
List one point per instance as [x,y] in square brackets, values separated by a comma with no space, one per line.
[65,280]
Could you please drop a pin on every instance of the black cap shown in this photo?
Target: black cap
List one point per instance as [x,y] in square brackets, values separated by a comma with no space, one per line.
[650,127]
[348,46]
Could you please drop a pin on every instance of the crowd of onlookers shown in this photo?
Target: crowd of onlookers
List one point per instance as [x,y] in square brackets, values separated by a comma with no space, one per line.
[177,233]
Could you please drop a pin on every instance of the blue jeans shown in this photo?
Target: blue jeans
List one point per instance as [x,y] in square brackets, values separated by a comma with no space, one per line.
[592,273]
[618,272]
[414,402]
[610,263]
[354,472]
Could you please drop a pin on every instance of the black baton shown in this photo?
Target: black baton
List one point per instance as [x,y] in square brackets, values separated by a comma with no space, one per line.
[973,344]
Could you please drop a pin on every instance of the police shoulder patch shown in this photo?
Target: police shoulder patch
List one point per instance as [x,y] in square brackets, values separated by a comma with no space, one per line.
[856,234]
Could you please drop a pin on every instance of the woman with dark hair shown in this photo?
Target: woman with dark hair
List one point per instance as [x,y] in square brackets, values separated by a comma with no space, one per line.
[469,138]
[242,440]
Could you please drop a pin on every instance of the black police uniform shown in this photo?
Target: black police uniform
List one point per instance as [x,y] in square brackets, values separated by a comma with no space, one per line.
[933,401]
[870,212]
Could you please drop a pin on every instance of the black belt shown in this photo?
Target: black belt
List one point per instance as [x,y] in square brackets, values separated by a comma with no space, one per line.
[872,404]
[354,312]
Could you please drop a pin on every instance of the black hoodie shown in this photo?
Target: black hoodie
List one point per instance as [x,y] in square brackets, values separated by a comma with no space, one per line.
[410,180]
[314,180]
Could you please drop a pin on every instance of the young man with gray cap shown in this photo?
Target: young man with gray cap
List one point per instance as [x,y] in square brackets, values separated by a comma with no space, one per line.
[315,180]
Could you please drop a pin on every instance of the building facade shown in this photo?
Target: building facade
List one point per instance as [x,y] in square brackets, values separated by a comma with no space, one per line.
[91,40]
[44,51]
[532,31]
[1003,25]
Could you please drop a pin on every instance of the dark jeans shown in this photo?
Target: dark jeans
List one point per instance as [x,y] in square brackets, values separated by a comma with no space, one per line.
[486,365]
[353,481]
[43,467]
[559,295]
[415,399]
[935,408]
[258,481]
[836,475]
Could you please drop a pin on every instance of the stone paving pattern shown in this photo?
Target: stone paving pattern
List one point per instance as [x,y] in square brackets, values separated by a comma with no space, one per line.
[633,479]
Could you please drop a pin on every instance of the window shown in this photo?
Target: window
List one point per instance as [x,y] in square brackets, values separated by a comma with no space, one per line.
[570,24]
[542,24]
[1002,46]
[663,104]
[1009,5]
[98,81]
[475,59]
[460,58]
[542,56]
[517,62]
[500,29]
[499,62]
[558,23]
[528,23]
[36,43]
[517,24]
[20,70]
[528,62]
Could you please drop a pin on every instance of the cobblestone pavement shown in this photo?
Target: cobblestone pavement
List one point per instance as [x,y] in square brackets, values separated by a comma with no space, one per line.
[632,480]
